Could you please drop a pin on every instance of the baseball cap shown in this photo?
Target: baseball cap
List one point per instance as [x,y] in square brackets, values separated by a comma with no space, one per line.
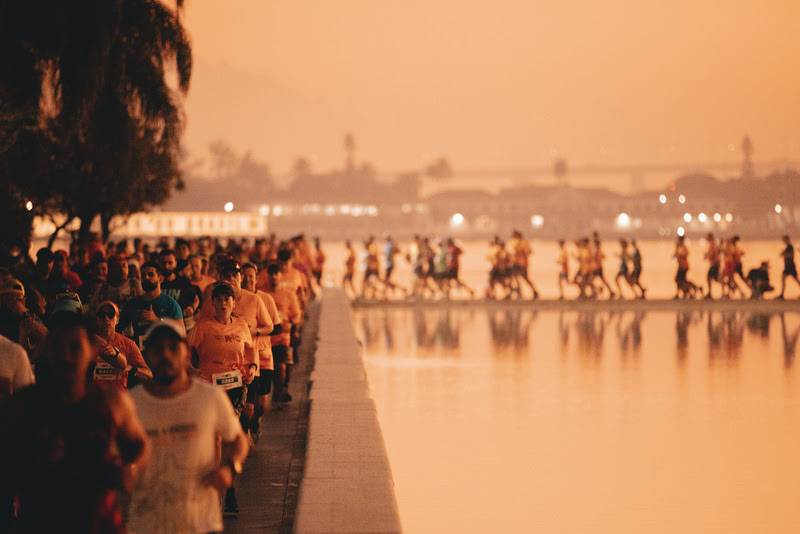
[68,302]
[12,285]
[230,267]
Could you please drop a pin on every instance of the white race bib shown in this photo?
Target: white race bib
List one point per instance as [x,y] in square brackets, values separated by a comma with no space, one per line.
[105,371]
[229,380]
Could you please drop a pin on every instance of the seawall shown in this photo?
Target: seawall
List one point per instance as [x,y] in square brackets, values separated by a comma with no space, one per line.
[347,484]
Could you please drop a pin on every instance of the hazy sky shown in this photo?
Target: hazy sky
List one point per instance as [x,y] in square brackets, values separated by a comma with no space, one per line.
[500,83]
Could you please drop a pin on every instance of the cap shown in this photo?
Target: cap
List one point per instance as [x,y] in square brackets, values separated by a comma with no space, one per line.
[222,289]
[230,267]
[12,285]
[69,302]
[165,328]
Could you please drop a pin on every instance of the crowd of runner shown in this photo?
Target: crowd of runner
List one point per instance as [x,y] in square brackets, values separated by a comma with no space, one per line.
[436,266]
[191,322]
[210,333]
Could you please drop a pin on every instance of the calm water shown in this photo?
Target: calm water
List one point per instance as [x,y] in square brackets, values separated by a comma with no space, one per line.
[505,420]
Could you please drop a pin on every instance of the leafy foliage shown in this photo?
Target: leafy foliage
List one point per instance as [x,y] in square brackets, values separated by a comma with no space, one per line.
[89,123]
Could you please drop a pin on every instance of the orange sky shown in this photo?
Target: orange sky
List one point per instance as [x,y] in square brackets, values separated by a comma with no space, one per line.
[501,83]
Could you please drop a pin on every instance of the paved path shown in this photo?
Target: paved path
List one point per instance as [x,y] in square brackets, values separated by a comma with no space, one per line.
[321,465]
[268,487]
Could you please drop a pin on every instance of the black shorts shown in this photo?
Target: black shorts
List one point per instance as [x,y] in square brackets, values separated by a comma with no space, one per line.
[252,389]
[279,354]
[265,382]
[790,270]
[713,272]
[739,270]
[452,274]
[680,276]
[237,397]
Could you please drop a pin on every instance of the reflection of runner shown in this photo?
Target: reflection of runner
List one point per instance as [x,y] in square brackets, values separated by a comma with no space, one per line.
[789,267]
[390,252]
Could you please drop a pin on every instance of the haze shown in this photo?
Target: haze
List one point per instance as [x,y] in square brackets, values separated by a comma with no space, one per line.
[495,84]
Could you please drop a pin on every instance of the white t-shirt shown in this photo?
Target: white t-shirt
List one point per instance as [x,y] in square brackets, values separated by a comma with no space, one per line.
[169,495]
[15,367]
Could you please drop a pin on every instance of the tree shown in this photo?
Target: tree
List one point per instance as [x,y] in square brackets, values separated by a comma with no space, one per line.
[439,168]
[91,125]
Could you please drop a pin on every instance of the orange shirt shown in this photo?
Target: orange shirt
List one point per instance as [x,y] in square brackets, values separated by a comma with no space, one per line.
[108,376]
[222,347]
[289,308]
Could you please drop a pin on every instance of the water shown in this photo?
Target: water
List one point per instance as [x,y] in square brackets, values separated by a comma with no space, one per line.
[505,420]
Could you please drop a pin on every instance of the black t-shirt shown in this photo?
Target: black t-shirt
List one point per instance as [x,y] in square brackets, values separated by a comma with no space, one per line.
[180,289]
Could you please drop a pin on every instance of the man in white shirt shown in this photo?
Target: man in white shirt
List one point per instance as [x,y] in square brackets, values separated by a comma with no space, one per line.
[184,417]
[15,367]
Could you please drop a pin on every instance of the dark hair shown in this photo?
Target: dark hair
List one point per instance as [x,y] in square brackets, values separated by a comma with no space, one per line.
[284,255]
[222,289]
[153,265]
[249,265]
[166,252]
[273,268]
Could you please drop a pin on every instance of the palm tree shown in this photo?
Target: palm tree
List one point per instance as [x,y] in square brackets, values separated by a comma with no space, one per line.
[88,93]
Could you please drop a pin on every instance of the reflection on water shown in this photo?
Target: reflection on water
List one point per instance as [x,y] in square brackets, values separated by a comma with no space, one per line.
[511,329]
[511,420]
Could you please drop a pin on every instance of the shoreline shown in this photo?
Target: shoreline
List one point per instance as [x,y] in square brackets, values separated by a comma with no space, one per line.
[584,305]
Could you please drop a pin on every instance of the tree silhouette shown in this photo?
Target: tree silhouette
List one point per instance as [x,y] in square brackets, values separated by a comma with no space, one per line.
[90,124]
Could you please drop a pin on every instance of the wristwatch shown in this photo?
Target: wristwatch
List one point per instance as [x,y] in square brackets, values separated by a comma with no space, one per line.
[236,467]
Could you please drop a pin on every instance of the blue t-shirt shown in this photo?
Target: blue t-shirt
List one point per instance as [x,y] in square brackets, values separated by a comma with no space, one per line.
[163,305]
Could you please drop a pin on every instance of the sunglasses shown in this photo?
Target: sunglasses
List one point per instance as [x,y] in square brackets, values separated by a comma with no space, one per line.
[106,315]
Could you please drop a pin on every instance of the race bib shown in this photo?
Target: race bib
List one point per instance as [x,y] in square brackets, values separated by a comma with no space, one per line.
[105,371]
[229,380]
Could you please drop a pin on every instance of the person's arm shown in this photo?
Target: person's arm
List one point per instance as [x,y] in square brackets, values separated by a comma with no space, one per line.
[132,442]
[234,447]
[136,361]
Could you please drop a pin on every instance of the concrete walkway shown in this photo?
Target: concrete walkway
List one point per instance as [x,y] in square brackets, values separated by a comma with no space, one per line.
[321,464]
[347,485]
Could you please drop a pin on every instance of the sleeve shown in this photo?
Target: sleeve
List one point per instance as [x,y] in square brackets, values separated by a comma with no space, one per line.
[272,309]
[134,355]
[195,336]
[263,319]
[23,376]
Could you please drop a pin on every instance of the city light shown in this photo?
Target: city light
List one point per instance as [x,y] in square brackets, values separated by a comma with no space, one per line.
[728,217]
[777,208]
[663,199]
[681,231]
[623,220]
[701,217]
[229,206]
[277,211]
[687,217]
[29,205]
[682,199]
[537,221]
[457,219]
[717,217]
[264,210]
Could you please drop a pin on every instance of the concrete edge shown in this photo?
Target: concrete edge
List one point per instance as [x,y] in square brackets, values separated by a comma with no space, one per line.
[347,484]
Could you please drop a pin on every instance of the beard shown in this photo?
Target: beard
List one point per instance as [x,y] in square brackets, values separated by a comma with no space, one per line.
[148,286]
[163,379]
